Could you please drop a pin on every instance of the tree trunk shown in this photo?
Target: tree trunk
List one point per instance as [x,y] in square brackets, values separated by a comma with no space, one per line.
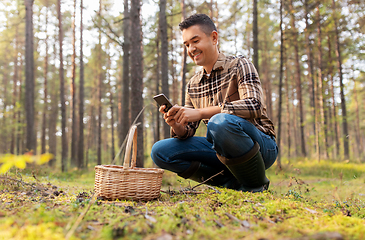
[334,111]
[73,106]
[158,114]
[280,84]
[62,91]
[53,114]
[111,102]
[164,58]
[15,93]
[137,75]
[125,97]
[288,122]
[343,101]
[266,77]
[45,97]
[29,76]
[322,100]
[184,57]
[100,84]
[310,69]
[80,154]
[175,87]
[20,130]
[255,32]
[298,80]
[358,143]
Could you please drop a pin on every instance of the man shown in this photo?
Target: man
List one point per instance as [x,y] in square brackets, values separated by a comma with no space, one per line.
[227,95]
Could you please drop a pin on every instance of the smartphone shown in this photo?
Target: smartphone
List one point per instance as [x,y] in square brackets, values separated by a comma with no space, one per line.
[161,99]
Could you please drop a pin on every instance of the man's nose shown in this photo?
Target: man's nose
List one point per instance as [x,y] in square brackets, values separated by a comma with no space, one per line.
[192,48]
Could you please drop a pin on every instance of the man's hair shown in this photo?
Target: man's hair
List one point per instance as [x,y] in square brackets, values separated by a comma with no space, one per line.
[206,24]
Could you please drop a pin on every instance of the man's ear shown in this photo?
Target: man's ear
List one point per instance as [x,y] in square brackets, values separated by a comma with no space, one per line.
[214,36]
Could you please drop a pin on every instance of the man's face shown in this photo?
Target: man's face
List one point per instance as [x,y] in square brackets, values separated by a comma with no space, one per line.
[201,48]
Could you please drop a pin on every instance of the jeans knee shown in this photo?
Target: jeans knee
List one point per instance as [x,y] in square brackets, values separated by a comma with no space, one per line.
[156,151]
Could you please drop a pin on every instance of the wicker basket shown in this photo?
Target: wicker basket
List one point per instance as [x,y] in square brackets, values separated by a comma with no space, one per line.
[128,182]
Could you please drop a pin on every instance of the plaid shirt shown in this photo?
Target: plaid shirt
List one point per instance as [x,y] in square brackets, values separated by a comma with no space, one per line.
[234,85]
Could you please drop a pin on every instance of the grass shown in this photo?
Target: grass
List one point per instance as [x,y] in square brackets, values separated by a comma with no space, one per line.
[306,200]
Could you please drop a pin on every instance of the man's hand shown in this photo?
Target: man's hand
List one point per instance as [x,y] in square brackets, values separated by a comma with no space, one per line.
[169,118]
[185,115]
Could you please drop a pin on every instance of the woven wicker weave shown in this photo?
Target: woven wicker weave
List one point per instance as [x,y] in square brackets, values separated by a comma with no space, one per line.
[128,182]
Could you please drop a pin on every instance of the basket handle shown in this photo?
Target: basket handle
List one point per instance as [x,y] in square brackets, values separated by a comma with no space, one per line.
[132,137]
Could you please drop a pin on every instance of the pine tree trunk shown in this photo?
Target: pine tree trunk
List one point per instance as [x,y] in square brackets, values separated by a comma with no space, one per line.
[15,93]
[20,130]
[158,114]
[298,80]
[62,92]
[342,94]
[111,102]
[310,69]
[184,57]
[288,122]
[80,154]
[278,161]
[255,33]
[137,75]
[358,143]
[164,58]
[322,100]
[73,106]
[45,97]
[53,114]
[29,76]
[125,97]
[100,84]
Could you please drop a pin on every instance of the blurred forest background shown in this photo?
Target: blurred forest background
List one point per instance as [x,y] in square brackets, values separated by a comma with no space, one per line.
[75,74]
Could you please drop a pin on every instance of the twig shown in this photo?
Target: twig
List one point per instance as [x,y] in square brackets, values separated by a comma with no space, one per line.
[216,190]
[81,216]
[244,223]
[221,172]
[187,192]
[218,223]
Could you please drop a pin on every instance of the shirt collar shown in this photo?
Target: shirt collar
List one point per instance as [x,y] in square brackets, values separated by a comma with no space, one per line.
[219,65]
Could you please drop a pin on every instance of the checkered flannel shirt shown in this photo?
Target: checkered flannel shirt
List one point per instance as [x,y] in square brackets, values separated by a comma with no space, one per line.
[234,86]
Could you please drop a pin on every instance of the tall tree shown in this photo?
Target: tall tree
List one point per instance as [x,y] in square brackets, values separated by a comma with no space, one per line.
[45,97]
[62,90]
[322,100]
[29,75]
[124,101]
[15,92]
[342,94]
[137,74]
[158,114]
[280,83]
[53,113]
[100,84]
[80,154]
[164,58]
[308,48]
[73,106]
[334,107]
[255,32]
[298,78]
[184,57]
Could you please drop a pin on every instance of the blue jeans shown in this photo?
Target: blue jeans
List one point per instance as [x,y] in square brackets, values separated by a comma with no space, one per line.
[227,135]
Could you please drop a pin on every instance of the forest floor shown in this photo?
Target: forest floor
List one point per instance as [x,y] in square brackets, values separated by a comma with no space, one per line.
[306,200]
